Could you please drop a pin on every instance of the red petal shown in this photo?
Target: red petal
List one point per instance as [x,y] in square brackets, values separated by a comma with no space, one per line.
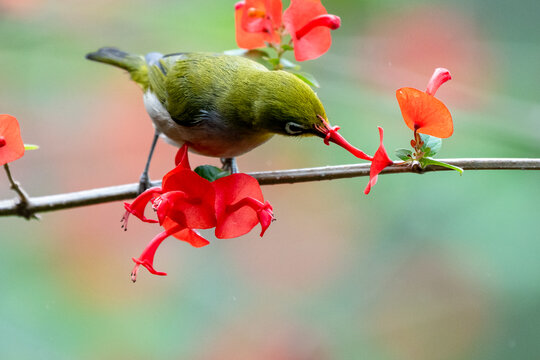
[198,208]
[439,77]
[181,158]
[14,146]
[189,210]
[147,257]
[138,205]
[180,179]
[380,161]
[188,235]
[230,190]
[424,113]
[315,42]
[265,215]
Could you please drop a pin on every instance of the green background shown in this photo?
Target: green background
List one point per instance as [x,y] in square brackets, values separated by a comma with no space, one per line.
[426,267]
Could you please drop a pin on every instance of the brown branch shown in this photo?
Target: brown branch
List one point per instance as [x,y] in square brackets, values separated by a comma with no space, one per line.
[129,191]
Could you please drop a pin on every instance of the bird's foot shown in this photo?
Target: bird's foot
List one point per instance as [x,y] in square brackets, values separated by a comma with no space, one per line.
[229,164]
[144,183]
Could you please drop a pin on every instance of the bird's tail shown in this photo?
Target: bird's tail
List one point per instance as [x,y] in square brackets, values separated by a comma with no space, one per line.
[134,64]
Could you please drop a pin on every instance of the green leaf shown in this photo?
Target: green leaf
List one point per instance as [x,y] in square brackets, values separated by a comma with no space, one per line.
[307,78]
[404,154]
[432,145]
[30,147]
[287,47]
[425,161]
[275,62]
[210,172]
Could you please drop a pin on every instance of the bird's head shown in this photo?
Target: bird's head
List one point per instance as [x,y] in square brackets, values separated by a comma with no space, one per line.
[292,108]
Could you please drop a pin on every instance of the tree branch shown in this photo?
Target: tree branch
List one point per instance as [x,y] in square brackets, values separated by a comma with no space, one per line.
[129,191]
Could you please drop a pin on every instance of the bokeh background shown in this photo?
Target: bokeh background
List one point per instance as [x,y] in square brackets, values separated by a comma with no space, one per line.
[426,267]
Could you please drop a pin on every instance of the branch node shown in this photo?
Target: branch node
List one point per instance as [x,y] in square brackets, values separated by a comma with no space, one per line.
[417,168]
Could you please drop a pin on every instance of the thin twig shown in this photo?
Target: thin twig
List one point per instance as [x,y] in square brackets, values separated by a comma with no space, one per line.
[129,191]
[23,204]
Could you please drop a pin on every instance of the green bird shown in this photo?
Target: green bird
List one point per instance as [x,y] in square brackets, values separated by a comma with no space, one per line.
[221,105]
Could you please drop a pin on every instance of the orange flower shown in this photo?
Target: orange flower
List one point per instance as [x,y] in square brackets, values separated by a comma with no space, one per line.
[257,22]
[423,112]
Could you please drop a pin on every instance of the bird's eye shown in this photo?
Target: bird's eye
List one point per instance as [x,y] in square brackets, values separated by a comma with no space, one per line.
[293,128]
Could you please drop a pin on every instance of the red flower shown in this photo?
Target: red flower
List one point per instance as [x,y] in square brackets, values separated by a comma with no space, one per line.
[186,201]
[309,25]
[240,206]
[331,134]
[11,144]
[380,161]
[257,22]
[423,112]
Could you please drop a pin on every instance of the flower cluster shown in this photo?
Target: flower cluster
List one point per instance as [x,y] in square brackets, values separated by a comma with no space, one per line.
[186,202]
[424,114]
[429,119]
[260,22]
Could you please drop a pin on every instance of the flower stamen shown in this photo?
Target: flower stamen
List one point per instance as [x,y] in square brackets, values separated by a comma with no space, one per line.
[254,12]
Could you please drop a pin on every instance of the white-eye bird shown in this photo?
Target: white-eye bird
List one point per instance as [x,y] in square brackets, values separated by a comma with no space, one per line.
[221,105]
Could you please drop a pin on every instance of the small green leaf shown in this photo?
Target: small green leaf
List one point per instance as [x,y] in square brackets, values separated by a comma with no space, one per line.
[287,47]
[404,154]
[307,78]
[425,161]
[432,145]
[210,172]
[274,62]
[30,147]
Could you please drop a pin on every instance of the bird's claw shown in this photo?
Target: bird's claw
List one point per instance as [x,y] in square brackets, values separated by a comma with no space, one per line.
[144,183]
[229,164]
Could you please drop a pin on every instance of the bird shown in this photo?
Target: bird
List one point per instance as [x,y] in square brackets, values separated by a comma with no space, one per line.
[221,105]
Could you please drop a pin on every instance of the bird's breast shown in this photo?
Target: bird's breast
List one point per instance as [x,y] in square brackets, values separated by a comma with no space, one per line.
[210,138]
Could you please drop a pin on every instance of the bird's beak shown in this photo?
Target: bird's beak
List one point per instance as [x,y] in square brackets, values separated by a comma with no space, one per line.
[330,134]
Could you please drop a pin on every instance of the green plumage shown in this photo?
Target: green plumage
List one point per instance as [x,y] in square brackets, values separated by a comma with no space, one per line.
[220,105]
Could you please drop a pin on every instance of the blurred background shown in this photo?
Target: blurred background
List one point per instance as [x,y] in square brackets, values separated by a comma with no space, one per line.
[426,267]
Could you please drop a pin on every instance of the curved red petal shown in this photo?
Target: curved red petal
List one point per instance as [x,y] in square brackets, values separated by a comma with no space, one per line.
[188,235]
[146,258]
[230,190]
[266,216]
[188,181]
[181,159]
[315,42]
[424,113]
[138,205]
[439,77]
[13,148]
[380,161]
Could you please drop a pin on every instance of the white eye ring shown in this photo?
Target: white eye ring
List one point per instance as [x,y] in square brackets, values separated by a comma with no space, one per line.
[293,128]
